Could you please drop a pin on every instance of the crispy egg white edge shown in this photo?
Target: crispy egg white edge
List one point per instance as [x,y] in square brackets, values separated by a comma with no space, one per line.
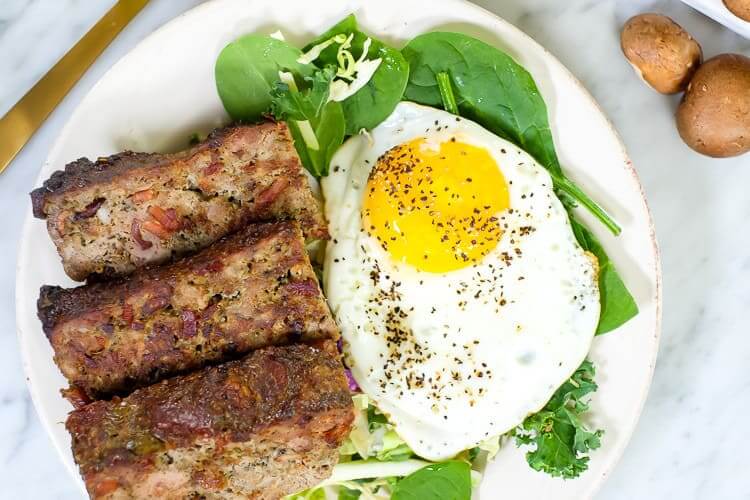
[344,189]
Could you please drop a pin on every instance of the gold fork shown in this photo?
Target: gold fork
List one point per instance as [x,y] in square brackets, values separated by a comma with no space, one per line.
[28,114]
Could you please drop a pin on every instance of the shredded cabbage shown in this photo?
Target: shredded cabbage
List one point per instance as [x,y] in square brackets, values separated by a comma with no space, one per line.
[373,458]
[491,446]
[308,134]
[376,489]
[373,469]
[372,478]
[305,128]
[312,54]
[372,436]
[359,438]
[340,90]
[288,79]
[352,74]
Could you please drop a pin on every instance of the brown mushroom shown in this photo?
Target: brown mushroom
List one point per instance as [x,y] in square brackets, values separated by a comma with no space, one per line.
[663,54]
[714,115]
[740,8]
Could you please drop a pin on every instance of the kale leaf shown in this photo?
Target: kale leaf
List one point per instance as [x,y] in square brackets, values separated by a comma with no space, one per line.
[559,439]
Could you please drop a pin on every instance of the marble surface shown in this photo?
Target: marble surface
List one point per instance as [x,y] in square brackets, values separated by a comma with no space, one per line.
[691,440]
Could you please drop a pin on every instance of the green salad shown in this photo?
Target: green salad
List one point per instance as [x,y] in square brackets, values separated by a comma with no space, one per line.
[346,82]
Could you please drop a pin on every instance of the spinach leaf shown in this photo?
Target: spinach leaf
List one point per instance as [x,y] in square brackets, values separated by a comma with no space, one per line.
[374,102]
[346,25]
[617,305]
[490,87]
[247,70]
[310,108]
[494,91]
[443,481]
[559,439]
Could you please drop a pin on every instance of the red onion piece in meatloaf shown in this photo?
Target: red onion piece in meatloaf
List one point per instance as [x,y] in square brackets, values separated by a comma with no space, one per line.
[130,210]
[249,290]
[261,427]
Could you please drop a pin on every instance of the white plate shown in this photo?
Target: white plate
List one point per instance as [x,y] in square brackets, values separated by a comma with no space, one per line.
[718,11]
[163,91]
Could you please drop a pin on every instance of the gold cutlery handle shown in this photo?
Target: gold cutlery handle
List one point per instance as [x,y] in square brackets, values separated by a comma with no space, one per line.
[28,114]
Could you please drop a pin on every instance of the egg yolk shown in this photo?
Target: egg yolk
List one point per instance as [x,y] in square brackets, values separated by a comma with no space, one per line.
[435,208]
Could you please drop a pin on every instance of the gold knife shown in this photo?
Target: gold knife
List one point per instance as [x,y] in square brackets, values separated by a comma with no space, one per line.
[23,119]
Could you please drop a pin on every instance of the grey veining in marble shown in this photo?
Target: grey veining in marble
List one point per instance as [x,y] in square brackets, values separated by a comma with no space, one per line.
[690,442]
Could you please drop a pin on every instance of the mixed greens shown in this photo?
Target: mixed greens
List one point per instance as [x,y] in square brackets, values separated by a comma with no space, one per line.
[344,82]
[375,463]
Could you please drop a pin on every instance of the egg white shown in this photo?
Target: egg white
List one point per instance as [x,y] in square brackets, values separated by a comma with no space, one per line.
[483,366]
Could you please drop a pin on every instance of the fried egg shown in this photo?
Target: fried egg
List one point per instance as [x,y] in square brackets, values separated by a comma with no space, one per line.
[462,295]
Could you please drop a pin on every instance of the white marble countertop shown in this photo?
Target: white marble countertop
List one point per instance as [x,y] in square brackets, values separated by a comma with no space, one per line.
[690,442]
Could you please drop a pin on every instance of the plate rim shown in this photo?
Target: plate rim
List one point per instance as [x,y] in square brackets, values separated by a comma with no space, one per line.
[657,295]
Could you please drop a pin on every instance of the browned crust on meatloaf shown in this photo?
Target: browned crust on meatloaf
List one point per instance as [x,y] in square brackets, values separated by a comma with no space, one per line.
[130,210]
[249,290]
[264,426]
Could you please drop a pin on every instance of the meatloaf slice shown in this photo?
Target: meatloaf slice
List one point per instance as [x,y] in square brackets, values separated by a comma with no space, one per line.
[129,210]
[261,427]
[249,290]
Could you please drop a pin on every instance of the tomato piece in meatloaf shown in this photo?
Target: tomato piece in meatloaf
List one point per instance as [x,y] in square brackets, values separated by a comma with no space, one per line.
[110,217]
[261,427]
[251,289]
